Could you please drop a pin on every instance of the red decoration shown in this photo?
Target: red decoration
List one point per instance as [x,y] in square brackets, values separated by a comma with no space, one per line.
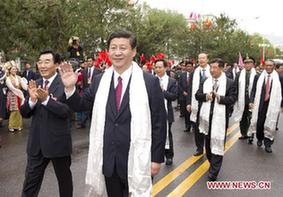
[102,59]
[149,65]
[142,58]
[152,59]
[170,63]
[160,56]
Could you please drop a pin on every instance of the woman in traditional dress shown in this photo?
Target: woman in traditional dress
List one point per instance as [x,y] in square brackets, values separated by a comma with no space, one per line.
[15,97]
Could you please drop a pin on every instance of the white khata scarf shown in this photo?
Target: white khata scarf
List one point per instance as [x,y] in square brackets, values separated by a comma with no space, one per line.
[139,161]
[273,106]
[164,81]
[196,83]
[218,125]
[240,104]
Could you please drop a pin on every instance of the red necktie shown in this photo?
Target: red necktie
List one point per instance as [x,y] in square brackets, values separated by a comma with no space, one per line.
[267,88]
[119,88]
[46,82]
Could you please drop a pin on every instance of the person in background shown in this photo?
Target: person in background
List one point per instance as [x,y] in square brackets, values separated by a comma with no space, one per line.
[15,97]
[75,50]
[200,74]
[183,85]
[266,101]
[28,73]
[170,90]
[279,69]
[88,75]
[244,82]
[3,96]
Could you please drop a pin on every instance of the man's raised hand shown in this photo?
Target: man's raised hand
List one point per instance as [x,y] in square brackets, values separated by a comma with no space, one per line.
[68,76]
[32,91]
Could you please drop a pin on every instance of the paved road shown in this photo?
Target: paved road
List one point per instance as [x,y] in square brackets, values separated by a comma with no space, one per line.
[186,177]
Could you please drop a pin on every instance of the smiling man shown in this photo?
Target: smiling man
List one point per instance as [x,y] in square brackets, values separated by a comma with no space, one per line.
[266,102]
[50,133]
[215,95]
[128,127]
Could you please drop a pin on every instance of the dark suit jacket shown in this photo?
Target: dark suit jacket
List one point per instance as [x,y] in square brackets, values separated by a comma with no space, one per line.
[183,85]
[85,76]
[117,124]
[50,130]
[263,91]
[227,100]
[31,75]
[171,95]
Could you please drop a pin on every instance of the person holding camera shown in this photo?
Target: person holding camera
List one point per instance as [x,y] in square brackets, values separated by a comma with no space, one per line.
[75,50]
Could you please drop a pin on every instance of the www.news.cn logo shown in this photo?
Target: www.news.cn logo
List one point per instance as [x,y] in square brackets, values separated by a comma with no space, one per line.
[239,185]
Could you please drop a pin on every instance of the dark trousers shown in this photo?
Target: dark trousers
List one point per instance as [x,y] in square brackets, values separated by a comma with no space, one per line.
[184,112]
[260,125]
[169,153]
[199,138]
[246,121]
[36,166]
[187,120]
[214,160]
[182,107]
[116,186]
[84,117]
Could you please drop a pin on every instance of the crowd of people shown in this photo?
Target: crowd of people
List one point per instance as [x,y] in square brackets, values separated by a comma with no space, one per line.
[130,112]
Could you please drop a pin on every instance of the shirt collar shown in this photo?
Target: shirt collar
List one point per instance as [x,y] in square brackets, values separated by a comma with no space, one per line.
[165,76]
[125,75]
[51,79]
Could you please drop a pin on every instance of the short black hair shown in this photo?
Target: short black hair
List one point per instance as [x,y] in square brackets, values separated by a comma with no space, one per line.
[161,60]
[219,61]
[56,57]
[123,34]
[189,62]
[90,57]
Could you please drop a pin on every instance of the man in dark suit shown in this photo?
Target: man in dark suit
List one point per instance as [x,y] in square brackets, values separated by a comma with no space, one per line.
[266,101]
[88,74]
[50,135]
[28,73]
[232,71]
[184,83]
[170,92]
[244,83]
[226,98]
[117,128]
[198,76]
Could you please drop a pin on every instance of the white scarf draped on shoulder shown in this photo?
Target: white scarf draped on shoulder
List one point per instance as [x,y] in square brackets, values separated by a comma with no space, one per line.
[240,104]
[273,106]
[218,123]
[139,160]
[196,83]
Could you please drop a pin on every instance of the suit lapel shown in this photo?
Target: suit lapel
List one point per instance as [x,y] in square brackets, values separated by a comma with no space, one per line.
[54,85]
